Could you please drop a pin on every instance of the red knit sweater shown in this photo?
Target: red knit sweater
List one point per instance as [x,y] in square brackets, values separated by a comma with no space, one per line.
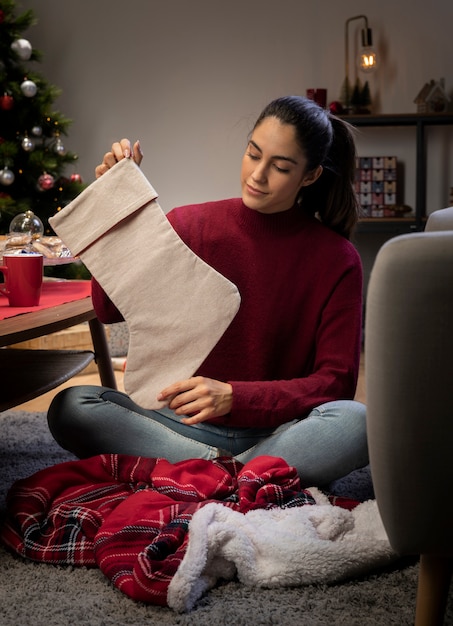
[295,342]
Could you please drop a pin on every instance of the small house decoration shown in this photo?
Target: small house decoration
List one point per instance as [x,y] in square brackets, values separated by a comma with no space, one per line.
[432,98]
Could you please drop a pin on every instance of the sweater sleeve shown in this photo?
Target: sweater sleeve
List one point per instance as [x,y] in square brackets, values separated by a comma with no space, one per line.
[106,311]
[332,376]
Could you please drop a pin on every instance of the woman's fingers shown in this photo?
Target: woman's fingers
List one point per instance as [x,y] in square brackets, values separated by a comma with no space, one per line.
[199,397]
[120,150]
[137,153]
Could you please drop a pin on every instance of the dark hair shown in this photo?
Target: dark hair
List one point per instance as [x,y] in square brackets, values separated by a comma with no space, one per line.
[328,141]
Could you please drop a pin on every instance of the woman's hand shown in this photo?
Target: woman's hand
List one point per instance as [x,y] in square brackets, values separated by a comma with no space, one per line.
[120,150]
[199,397]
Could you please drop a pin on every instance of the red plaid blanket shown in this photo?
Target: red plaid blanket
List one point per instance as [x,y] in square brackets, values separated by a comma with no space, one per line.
[130,515]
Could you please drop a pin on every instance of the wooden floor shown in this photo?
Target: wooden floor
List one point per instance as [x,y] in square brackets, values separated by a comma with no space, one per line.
[42,403]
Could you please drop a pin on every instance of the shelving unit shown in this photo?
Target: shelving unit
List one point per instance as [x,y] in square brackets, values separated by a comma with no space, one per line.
[419,122]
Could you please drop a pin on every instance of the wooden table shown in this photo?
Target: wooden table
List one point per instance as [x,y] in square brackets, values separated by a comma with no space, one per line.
[26,374]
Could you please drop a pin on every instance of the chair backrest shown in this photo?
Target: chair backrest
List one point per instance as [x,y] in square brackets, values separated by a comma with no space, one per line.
[440,220]
[409,382]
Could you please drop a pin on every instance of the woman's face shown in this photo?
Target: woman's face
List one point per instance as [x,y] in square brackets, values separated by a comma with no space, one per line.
[273,168]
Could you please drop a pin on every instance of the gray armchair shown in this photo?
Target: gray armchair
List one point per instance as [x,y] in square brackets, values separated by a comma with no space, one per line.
[440,220]
[409,387]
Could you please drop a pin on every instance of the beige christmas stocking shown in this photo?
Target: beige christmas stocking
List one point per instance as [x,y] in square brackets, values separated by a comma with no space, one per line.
[176,306]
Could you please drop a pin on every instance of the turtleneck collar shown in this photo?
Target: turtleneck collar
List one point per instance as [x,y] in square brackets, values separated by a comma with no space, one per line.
[285,221]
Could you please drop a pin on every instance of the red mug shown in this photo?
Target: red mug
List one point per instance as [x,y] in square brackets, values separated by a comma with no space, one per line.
[319,96]
[23,278]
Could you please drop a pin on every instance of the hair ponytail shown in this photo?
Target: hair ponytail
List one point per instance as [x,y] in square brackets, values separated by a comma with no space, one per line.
[333,195]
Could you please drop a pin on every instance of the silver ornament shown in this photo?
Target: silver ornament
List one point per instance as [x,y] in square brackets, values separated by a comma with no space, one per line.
[23,49]
[27,144]
[29,88]
[59,147]
[36,131]
[6,177]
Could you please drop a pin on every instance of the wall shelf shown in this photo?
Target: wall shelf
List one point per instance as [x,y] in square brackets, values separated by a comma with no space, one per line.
[419,122]
[392,225]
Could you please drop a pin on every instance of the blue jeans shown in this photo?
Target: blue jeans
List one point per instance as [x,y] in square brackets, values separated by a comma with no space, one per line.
[325,445]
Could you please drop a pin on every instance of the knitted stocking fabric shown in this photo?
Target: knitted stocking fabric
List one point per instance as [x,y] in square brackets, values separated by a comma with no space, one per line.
[176,306]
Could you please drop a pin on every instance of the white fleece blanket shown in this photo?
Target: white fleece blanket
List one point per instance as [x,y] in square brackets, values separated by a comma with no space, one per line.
[278,547]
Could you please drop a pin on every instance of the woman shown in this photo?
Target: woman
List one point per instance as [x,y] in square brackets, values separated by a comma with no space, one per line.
[282,378]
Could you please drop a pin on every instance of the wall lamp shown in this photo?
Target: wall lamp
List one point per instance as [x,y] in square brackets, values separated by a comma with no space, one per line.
[367,58]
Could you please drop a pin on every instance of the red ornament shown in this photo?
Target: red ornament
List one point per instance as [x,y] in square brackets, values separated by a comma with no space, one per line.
[46,182]
[336,107]
[76,178]
[6,102]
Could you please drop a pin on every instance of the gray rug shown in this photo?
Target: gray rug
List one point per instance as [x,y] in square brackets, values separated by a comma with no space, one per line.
[47,595]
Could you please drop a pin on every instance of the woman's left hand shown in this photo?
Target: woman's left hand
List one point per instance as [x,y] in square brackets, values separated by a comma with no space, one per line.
[198,397]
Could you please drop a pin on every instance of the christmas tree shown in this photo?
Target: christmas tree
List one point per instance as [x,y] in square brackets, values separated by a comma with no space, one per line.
[33,156]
